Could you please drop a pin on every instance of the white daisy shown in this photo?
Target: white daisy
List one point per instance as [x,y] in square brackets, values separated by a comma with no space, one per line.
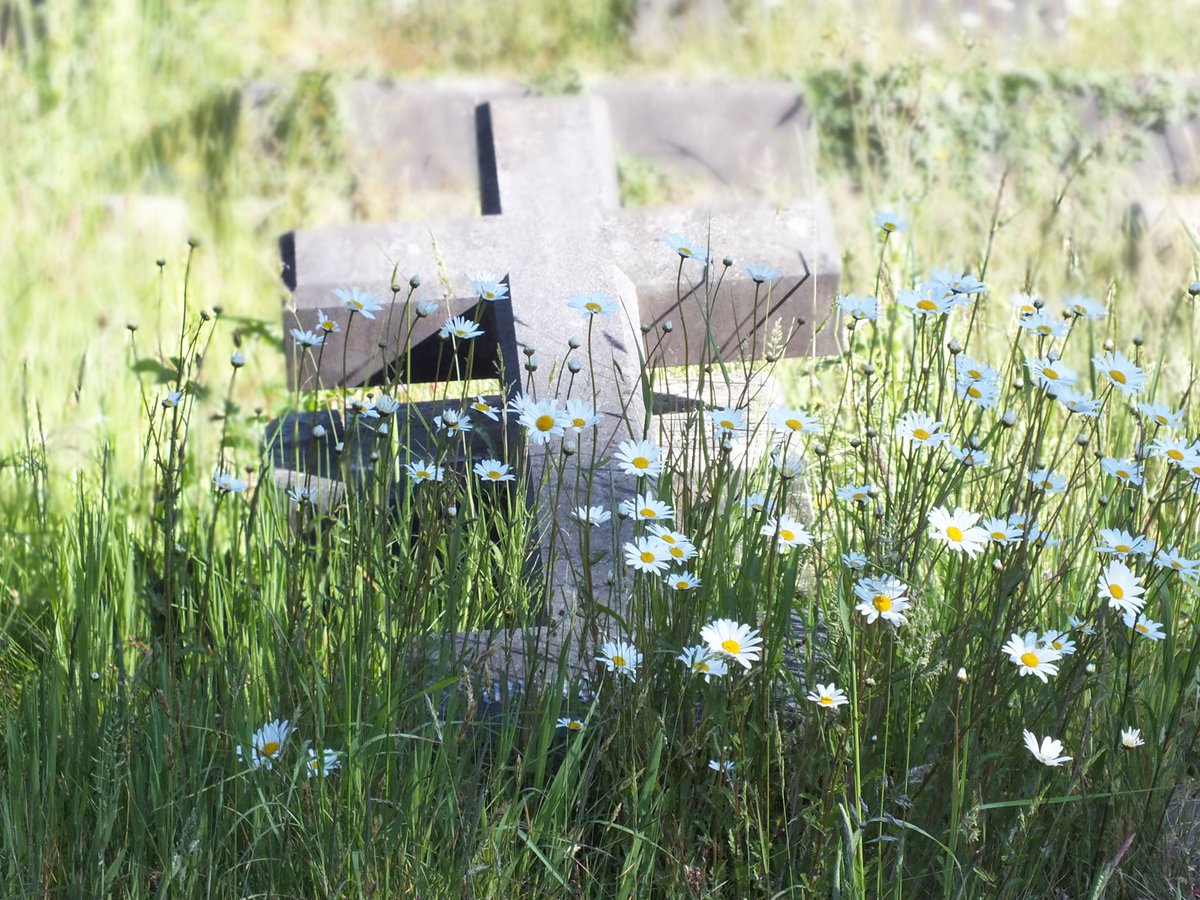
[646,508]
[639,458]
[593,305]
[882,598]
[267,744]
[591,515]
[859,308]
[620,657]
[322,765]
[920,429]
[1031,657]
[1144,626]
[788,533]
[829,696]
[741,643]
[493,470]
[1121,588]
[1048,752]
[1131,738]
[357,301]
[648,554]
[1120,370]
[702,661]
[957,529]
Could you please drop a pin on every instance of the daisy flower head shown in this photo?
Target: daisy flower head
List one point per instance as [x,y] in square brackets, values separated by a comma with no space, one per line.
[228,483]
[927,301]
[1144,626]
[724,766]
[581,415]
[593,305]
[963,283]
[1002,531]
[484,408]
[958,529]
[267,744]
[542,420]
[327,324]
[1085,307]
[1045,480]
[648,554]
[855,493]
[322,765]
[387,405]
[1031,657]
[731,639]
[983,394]
[854,561]
[788,533]
[786,420]
[685,248]
[1122,543]
[761,274]
[1058,640]
[302,496]
[1044,325]
[787,464]
[363,408]
[882,598]
[1121,588]
[646,508]
[420,471]
[678,544]
[1173,450]
[968,369]
[1048,372]
[1048,752]
[1120,370]
[758,502]
[920,429]
[968,456]
[307,338]
[684,581]
[494,471]
[460,328]
[889,221]
[1025,304]
[591,515]
[489,287]
[1162,415]
[859,308]
[702,661]
[1080,403]
[1126,471]
[1131,738]
[1174,560]
[569,723]
[453,422]
[829,696]
[639,458]
[357,301]
[727,420]
[620,657]
[1083,626]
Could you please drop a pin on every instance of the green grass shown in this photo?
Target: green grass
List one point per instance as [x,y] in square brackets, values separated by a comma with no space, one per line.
[151,626]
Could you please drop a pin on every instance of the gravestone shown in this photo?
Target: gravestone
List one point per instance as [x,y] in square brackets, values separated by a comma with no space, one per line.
[553,224]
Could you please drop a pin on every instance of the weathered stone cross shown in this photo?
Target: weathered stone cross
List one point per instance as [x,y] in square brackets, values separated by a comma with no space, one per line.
[553,224]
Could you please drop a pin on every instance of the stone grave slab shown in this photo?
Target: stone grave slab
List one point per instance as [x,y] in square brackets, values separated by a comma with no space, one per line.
[553,225]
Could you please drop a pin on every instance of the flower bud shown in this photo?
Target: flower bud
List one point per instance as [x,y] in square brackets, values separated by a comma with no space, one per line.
[962,675]
[237,359]
[414,281]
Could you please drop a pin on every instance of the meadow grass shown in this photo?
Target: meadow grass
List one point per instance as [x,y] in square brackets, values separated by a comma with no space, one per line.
[153,624]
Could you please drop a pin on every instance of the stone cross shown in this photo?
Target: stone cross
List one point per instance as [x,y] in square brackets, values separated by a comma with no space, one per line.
[553,225]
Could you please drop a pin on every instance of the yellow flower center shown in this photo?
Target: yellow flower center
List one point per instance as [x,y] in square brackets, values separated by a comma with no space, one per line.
[826,701]
[677,552]
[920,434]
[1123,548]
[1030,659]
[701,666]
[927,305]
[889,226]
[574,725]
[1161,420]
[999,536]
[1117,591]
[1043,329]
[682,585]
[684,251]
[1057,645]
[647,513]
[882,602]
[578,422]
[727,425]
[954,533]
[1122,473]
[1117,375]
[270,748]
[424,473]
[647,556]
[786,534]
[641,462]
[793,424]
[1175,454]
[592,306]
[494,474]
[619,661]
[1142,628]
[731,646]
[544,422]
[859,495]
[975,374]
[974,392]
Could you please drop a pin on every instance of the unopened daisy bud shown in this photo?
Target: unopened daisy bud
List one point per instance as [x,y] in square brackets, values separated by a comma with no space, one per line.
[1038,303]
[855,443]
[414,281]
[871,433]
[532,365]
[131,325]
[610,579]
[218,309]
[573,342]
[237,359]
[1108,344]
[383,429]
[772,357]
[193,242]
[668,327]
[426,308]
[569,447]
[1138,340]
[997,565]
[819,449]
[646,329]
[452,510]
[727,261]
[528,351]
[954,346]
[374,457]
[974,442]
[1090,668]
[318,431]
[382,345]
[204,316]
[573,366]
[868,369]
[396,288]
[1009,419]
[1194,288]
[801,321]
[870,681]
[962,675]
[339,446]
[1103,501]
[160,262]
